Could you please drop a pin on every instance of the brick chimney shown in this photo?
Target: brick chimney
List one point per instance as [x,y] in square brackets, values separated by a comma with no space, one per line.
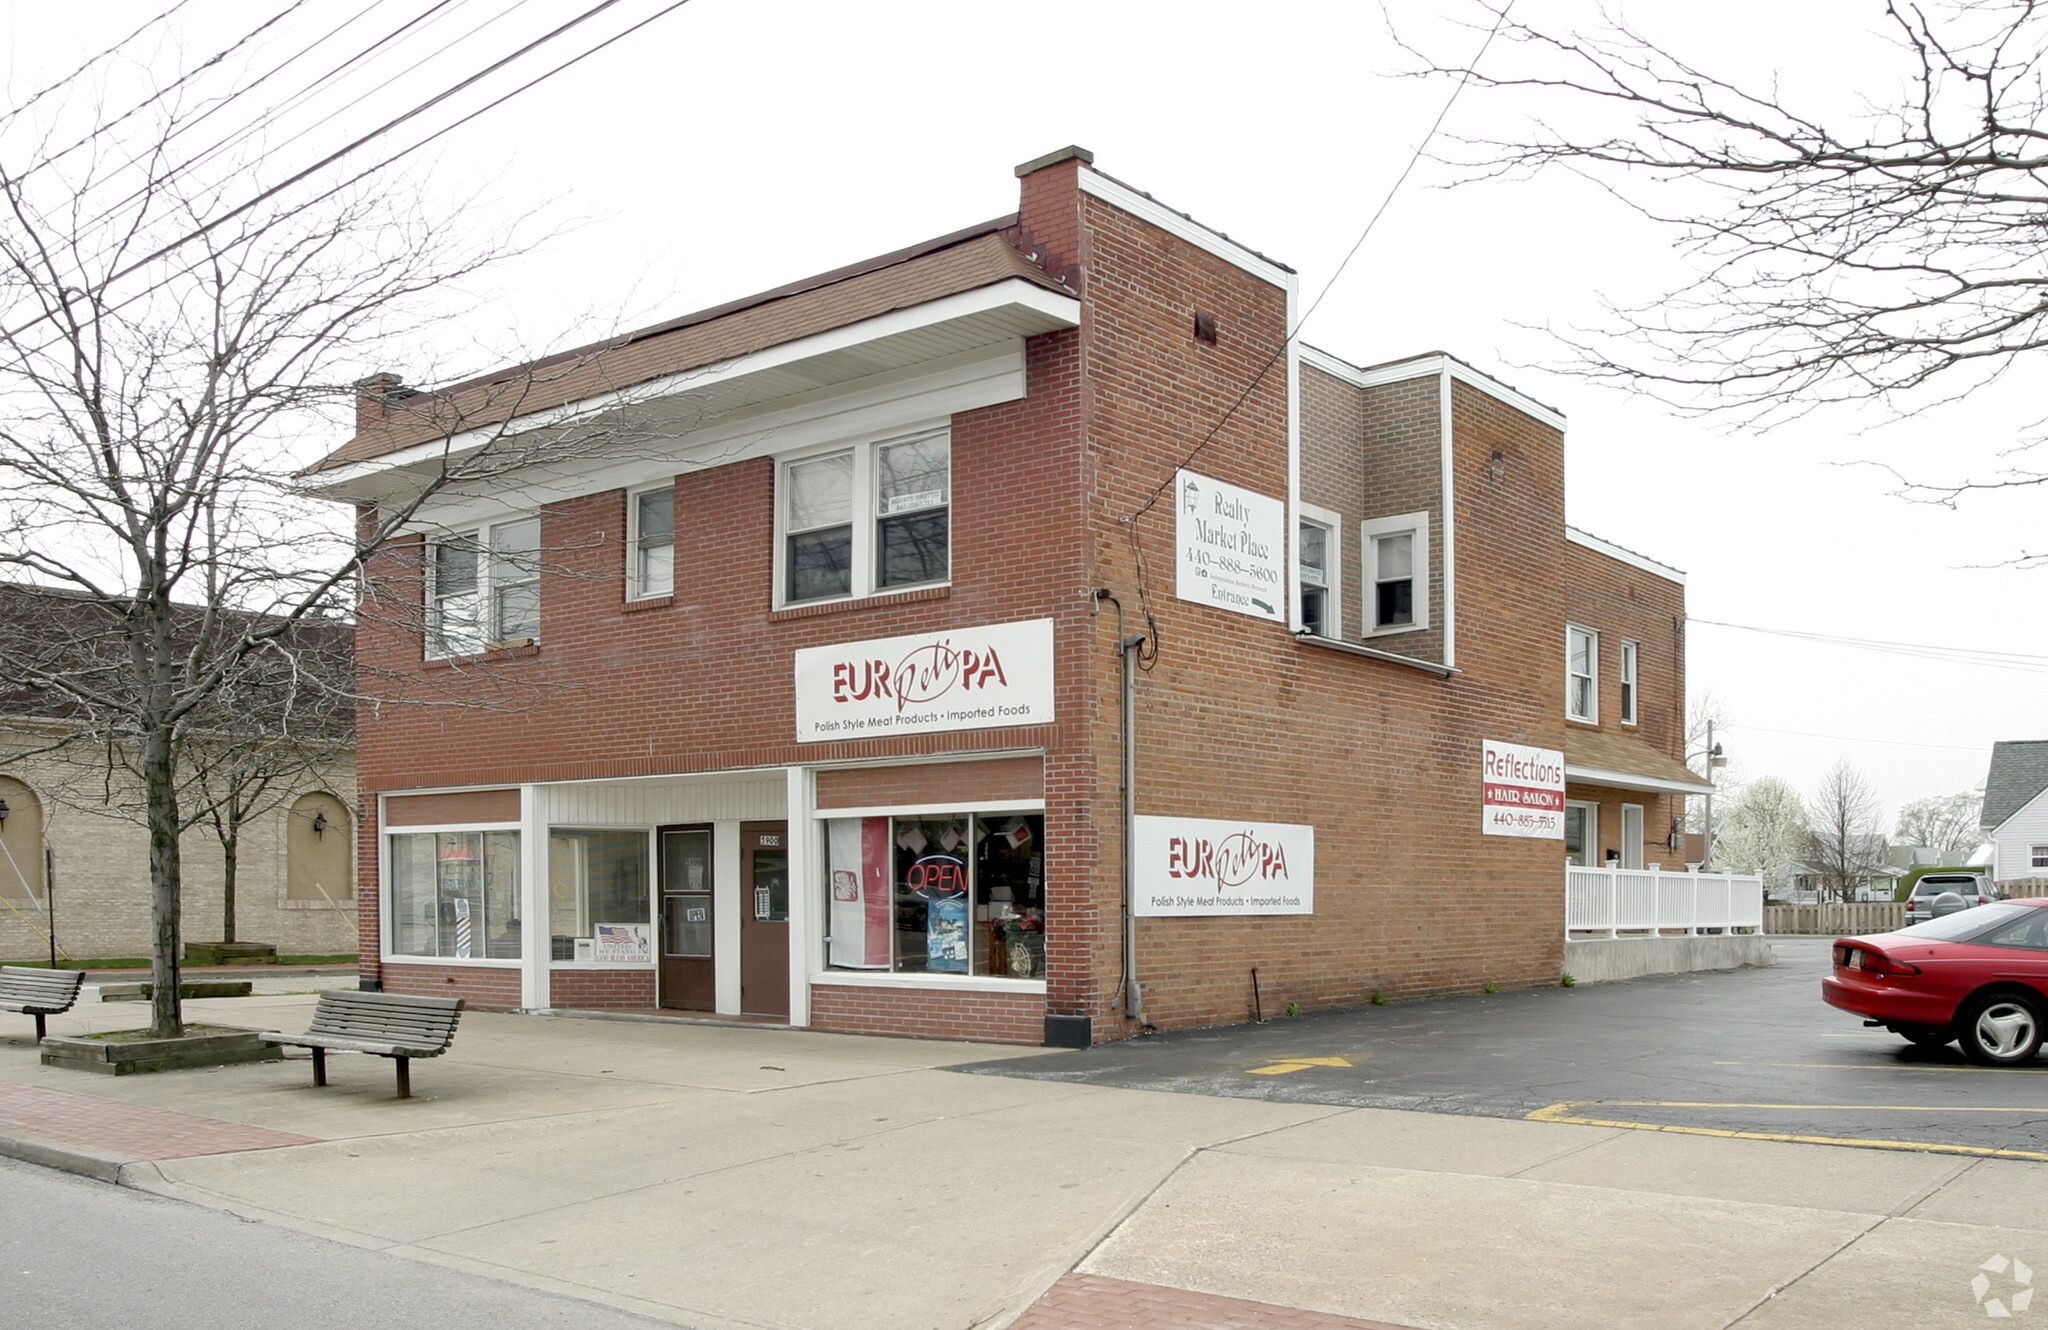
[1049,213]
[374,396]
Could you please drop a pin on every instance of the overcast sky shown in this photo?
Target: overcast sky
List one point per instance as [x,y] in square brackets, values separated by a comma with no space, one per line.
[735,145]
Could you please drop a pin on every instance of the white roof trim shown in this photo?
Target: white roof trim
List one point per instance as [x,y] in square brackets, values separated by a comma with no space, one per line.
[1627,556]
[1424,366]
[1166,219]
[1629,780]
[1062,310]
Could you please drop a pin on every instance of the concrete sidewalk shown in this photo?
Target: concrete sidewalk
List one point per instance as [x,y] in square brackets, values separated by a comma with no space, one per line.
[719,1177]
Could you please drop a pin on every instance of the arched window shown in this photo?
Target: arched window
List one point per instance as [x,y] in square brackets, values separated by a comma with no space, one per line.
[21,834]
[320,852]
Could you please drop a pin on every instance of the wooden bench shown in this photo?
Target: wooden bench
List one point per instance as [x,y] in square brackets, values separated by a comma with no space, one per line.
[38,993]
[389,1025]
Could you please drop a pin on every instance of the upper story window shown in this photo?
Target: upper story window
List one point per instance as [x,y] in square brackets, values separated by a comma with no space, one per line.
[1396,572]
[651,543]
[870,518]
[1317,574]
[484,589]
[1628,682]
[1581,683]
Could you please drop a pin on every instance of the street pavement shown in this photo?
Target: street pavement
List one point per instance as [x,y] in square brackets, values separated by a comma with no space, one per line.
[721,1177]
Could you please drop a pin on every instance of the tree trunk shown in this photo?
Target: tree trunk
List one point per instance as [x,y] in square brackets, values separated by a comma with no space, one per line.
[160,794]
[230,847]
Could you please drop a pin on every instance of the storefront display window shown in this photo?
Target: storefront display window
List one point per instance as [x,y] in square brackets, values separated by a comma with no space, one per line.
[455,894]
[937,893]
[599,907]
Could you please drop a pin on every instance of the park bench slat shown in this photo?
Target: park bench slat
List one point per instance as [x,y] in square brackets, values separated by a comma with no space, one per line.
[391,1025]
[39,993]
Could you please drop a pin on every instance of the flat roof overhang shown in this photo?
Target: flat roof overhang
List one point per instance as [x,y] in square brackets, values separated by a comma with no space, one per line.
[673,406]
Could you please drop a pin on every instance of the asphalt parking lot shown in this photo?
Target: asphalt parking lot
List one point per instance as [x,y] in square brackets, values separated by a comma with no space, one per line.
[1751,1053]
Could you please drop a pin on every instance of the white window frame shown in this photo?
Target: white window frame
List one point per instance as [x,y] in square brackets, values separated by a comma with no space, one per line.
[1332,525]
[1369,533]
[2037,856]
[389,922]
[1590,849]
[1631,688]
[482,538]
[866,520]
[1592,712]
[636,587]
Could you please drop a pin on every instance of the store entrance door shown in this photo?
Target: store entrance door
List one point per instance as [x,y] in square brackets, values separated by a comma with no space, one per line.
[688,972]
[764,918]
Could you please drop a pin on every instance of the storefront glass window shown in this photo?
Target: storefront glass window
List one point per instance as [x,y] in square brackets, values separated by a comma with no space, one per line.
[455,894]
[599,907]
[937,893]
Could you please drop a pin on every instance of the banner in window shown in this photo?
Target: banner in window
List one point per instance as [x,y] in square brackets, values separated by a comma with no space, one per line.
[1230,547]
[926,683]
[1196,866]
[1523,791]
[857,857]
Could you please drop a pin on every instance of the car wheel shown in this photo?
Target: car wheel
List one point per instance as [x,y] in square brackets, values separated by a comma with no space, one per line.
[1926,1036]
[2002,1029]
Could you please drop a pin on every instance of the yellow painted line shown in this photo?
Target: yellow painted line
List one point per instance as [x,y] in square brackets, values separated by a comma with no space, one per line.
[1894,1066]
[1566,1113]
[1301,1064]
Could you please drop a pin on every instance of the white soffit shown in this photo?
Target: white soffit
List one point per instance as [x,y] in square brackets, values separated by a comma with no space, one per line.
[1006,311]
[1629,780]
[1622,555]
[1423,367]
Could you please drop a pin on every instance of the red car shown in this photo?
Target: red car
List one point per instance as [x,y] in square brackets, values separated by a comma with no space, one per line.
[1979,977]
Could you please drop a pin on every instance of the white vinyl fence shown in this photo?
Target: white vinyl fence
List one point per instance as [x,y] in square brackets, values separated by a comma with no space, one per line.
[1612,901]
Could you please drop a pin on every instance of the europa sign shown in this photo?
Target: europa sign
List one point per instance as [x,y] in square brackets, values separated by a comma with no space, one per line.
[1524,791]
[969,679]
[1230,547]
[1189,866]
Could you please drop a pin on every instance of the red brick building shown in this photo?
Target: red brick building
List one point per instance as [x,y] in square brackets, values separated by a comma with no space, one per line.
[1014,637]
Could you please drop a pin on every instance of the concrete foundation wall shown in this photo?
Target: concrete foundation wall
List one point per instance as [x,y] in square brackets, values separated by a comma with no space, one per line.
[1604,960]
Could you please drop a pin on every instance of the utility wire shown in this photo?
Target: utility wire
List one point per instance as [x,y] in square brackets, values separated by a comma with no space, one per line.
[251,203]
[1422,146]
[1954,655]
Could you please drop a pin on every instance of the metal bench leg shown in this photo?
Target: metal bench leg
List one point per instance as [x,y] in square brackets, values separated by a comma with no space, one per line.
[319,1065]
[404,1077]
[39,1026]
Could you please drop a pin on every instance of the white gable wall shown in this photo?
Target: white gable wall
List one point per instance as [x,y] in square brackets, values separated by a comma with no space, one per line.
[2013,841]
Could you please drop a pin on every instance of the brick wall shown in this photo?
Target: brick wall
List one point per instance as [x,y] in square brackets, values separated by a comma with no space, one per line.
[922,1013]
[485,988]
[602,990]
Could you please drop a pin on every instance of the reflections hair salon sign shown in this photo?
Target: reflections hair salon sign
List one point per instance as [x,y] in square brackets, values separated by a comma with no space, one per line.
[1523,791]
[966,679]
[1192,866]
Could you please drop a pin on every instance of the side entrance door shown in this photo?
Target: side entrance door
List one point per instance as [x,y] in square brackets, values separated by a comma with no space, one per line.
[688,972]
[764,918]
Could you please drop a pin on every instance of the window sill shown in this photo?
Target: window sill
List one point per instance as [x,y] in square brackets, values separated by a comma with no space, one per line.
[649,603]
[1580,720]
[490,655]
[1374,653]
[472,962]
[885,599]
[949,983]
[642,966]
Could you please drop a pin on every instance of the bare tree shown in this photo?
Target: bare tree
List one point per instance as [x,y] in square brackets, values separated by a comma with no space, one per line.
[1946,824]
[1845,843]
[1764,830]
[1893,253]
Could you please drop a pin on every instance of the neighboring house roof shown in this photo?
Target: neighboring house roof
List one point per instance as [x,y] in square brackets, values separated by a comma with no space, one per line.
[963,261]
[46,631]
[1599,758]
[2019,772]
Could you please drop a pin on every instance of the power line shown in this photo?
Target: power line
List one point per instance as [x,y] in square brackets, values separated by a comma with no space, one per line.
[1422,146]
[1854,739]
[1954,655]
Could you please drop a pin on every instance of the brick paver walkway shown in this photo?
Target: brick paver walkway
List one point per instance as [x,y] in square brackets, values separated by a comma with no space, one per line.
[129,1129]
[1090,1302]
